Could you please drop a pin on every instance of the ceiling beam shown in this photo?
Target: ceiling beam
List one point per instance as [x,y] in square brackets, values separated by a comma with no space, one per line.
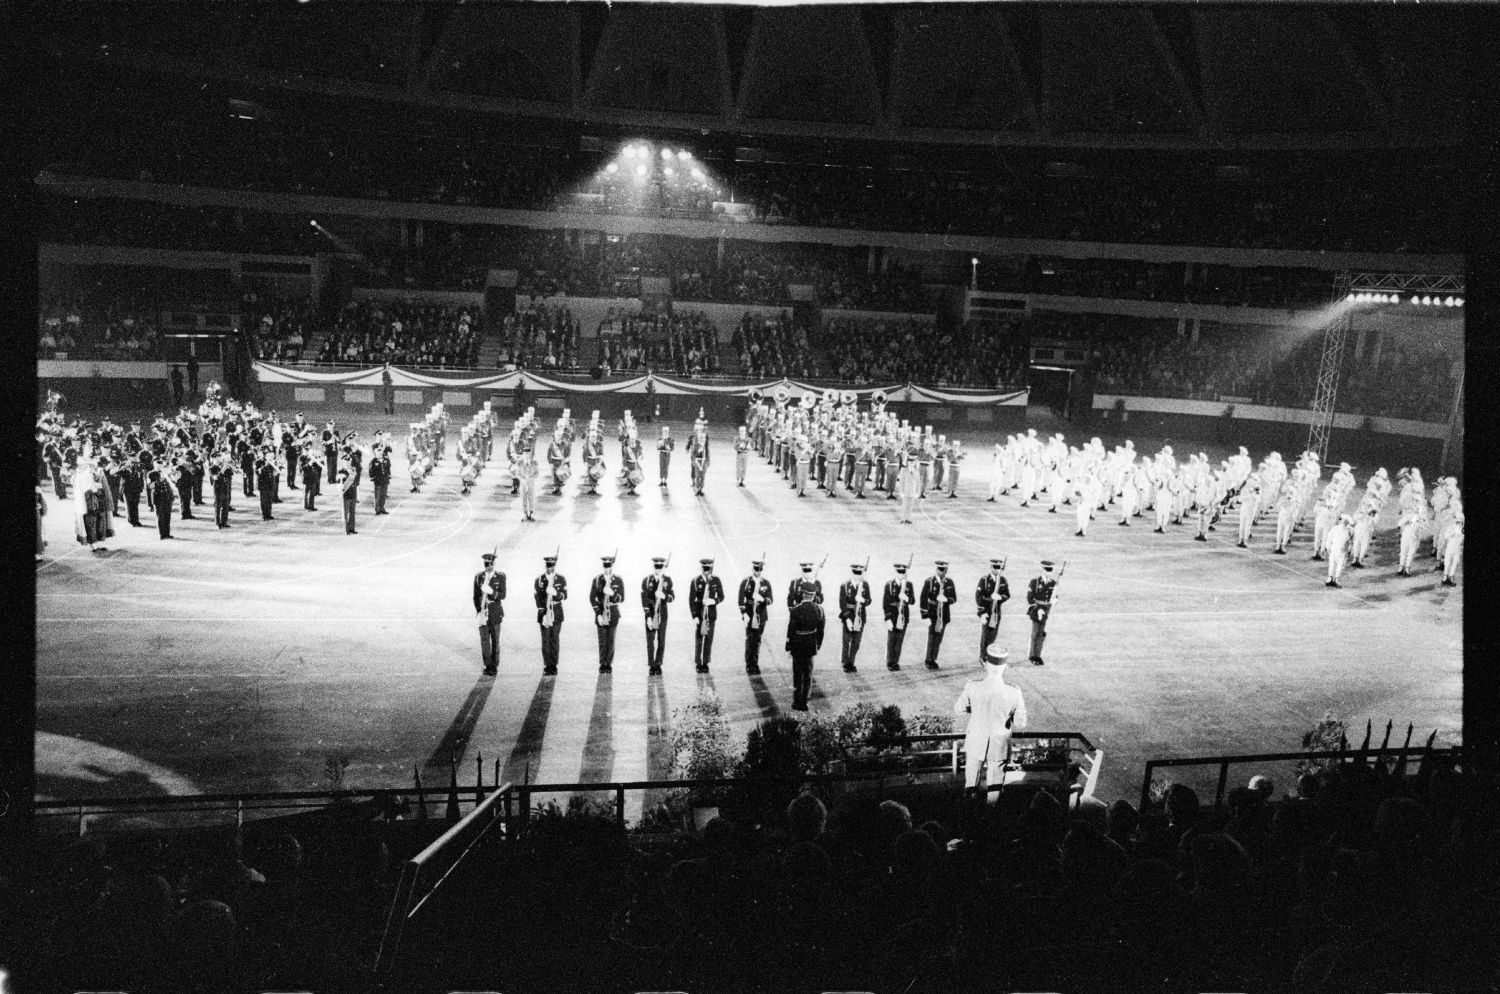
[748,70]
[1213,124]
[448,43]
[867,57]
[414,48]
[1178,74]
[726,77]
[696,122]
[1034,118]
[591,86]
[1379,105]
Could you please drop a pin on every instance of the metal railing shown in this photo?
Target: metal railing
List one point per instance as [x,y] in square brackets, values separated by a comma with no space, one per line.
[1399,755]
[423,874]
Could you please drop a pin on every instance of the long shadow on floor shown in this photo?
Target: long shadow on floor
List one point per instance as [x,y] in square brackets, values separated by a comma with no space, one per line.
[457,736]
[526,756]
[598,747]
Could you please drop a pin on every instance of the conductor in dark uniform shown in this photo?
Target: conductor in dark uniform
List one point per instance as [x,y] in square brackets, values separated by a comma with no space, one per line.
[804,637]
[656,594]
[854,600]
[489,591]
[549,591]
[289,448]
[380,476]
[223,487]
[938,595]
[1040,596]
[606,594]
[135,484]
[184,477]
[159,499]
[310,477]
[755,603]
[268,479]
[331,452]
[991,592]
[705,594]
[897,601]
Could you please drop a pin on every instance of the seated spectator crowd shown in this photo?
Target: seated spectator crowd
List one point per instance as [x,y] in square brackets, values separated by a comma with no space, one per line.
[685,343]
[540,336]
[113,329]
[403,332]
[975,354]
[1362,878]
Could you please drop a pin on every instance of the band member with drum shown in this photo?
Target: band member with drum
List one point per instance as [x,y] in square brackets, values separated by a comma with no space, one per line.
[605,596]
[489,591]
[705,594]
[938,593]
[630,454]
[854,599]
[755,603]
[557,457]
[897,602]
[549,591]
[656,594]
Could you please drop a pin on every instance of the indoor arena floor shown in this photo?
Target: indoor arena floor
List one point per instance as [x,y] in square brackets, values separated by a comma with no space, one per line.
[239,660]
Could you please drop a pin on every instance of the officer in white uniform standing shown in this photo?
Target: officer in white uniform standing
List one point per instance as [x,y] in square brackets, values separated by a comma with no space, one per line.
[995,708]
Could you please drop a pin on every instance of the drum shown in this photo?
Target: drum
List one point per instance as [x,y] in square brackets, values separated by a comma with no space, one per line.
[562,473]
[635,476]
[596,470]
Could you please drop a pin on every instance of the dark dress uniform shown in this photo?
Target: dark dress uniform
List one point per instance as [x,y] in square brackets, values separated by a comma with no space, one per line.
[289,448]
[656,616]
[854,600]
[349,484]
[134,483]
[489,583]
[705,587]
[380,477]
[804,637]
[266,470]
[1038,606]
[331,453]
[160,501]
[938,615]
[554,596]
[310,478]
[897,615]
[247,468]
[222,484]
[992,592]
[185,491]
[755,614]
[794,592]
[606,594]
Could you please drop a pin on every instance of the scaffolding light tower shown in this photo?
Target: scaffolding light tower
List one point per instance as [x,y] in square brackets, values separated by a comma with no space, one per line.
[1346,283]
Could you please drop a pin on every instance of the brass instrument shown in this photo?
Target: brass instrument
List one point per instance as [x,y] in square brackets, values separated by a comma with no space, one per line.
[485,597]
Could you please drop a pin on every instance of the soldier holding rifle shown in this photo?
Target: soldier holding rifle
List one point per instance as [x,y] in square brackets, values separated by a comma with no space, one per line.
[489,591]
[854,599]
[755,601]
[1041,595]
[992,592]
[938,593]
[656,594]
[550,590]
[899,597]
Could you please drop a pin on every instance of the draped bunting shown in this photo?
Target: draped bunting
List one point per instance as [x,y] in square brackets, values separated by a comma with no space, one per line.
[667,385]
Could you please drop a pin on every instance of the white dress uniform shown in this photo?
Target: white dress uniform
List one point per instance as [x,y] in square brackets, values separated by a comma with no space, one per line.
[1453,551]
[1364,532]
[995,709]
[1327,515]
[1286,520]
[1088,498]
[1412,523]
[1249,508]
[997,471]
[1129,498]
[1338,548]
[1166,498]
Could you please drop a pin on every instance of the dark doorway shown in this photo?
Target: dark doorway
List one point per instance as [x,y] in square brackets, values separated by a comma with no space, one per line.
[1051,388]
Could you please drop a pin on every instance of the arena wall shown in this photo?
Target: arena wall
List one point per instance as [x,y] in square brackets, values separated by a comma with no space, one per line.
[1355,439]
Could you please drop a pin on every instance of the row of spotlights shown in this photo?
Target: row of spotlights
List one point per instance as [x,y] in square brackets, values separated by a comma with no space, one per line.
[1392,298]
[640,170]
[667,154]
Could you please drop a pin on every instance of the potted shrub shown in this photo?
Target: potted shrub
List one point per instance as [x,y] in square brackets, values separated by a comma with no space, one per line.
[701,751]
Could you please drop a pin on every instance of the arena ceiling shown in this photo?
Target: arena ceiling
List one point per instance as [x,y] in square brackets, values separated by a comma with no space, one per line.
[1170,76]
